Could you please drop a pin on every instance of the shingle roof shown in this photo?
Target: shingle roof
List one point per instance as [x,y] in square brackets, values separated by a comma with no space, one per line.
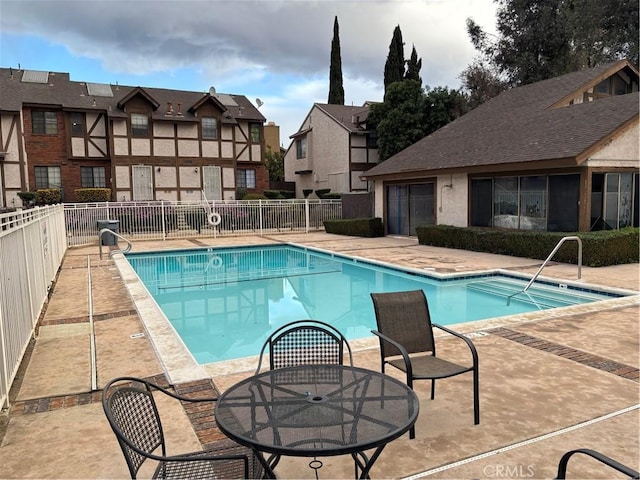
[520,126]
[351,117]
[61,91]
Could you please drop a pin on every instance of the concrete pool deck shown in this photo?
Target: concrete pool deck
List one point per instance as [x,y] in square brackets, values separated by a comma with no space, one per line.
[562,380]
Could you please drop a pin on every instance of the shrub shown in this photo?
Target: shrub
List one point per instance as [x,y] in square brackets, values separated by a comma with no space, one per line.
[610,247]
[287,194]
[357,227]
[241,193]
[28,198]
[254,196]
[48,196]
[91,195]
[321,192]
[272,194]
[328,196]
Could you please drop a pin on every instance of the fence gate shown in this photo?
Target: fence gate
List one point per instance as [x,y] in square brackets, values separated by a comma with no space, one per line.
[142,183]
[212,182]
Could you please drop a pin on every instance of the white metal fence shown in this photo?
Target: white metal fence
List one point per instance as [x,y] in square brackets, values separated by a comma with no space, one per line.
[165,220]
[32,244]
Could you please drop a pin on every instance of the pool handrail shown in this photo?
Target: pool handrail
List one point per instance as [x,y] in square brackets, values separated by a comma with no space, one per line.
[544,264]
[105,230]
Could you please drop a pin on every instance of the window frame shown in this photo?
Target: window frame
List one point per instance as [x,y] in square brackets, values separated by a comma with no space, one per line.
[242,178]
[301,147]
[38,171]
[94,170]
[209,132]
[137,129]
[44,122]
[254,133]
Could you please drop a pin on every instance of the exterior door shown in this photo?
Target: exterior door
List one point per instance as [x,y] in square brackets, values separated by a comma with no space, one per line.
[212,182]
[142,183]
[409,206]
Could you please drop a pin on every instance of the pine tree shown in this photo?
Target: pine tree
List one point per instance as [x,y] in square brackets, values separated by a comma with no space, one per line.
[336,90]
[394,67]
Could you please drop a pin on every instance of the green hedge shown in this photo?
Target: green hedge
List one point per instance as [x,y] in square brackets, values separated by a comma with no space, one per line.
[602,248]
[48,196]
[90,195]
[357,227]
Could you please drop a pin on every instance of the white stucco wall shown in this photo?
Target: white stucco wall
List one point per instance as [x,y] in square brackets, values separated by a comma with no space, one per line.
[119,127]
[122,179]
[190,177]
[164,147]
[166,178]
[188,148]
[621,151]
[141,146]
[210,149]
[120,146]
[452,206]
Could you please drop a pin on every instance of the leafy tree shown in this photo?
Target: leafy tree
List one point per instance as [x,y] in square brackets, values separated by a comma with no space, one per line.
[441,107]
[394,66]
[413,67]
[539,39]
[336,90]
[274,161]
[399,120]
[480,83]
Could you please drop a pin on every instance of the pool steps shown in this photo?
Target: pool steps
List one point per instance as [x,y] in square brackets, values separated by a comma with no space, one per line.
[542,295]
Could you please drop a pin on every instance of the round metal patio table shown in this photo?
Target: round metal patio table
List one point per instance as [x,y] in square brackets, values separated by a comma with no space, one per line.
[317,411]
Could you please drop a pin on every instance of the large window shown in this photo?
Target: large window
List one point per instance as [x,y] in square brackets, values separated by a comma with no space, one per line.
[139,125]
[92,177]
[409,206]
[47,177]
[301,147]
[44,123]
[77,124]
[526,203]
[210,128]
[246,178]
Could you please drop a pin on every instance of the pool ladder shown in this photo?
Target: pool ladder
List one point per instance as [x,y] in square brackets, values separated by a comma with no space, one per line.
[544,264]
[105,230]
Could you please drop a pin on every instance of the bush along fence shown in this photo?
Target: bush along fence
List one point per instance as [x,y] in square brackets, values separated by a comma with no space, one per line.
[167,220]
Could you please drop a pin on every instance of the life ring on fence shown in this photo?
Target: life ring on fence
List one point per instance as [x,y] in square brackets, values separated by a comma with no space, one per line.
[216,262]
[214,219]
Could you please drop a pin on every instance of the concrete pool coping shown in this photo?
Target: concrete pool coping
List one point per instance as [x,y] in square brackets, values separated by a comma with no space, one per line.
[547,386]
[180,366]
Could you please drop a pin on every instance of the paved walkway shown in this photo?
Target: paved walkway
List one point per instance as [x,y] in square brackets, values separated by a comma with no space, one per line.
[549,382]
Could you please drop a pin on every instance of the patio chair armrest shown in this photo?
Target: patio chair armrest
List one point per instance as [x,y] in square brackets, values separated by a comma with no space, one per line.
[562,466]
[152,386]
[472,347]
[403,351]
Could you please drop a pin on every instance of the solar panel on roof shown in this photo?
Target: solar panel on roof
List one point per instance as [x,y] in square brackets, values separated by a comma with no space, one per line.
[35,76]
[226,100]
[99,89]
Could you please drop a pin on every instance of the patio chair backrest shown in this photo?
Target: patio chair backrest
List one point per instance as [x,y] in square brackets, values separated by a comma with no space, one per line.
[134,418]
[404,316]
[305,342]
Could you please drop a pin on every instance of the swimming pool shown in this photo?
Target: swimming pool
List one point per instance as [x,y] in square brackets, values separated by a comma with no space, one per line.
[223,302]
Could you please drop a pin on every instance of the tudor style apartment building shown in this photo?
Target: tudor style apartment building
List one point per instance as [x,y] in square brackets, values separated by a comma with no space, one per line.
[142,143]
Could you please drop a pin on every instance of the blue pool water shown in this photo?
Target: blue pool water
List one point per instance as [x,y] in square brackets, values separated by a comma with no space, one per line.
[224,302]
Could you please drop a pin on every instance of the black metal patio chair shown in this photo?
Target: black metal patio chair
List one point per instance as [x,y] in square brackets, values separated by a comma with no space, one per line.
[131,410]
[407,342]
[602,458]
[304,342]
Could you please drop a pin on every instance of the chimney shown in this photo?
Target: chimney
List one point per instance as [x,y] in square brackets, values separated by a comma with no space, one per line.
[169,109]
[179,109]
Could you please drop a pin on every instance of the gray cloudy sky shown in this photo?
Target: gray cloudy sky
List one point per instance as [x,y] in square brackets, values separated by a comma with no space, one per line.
[276,50]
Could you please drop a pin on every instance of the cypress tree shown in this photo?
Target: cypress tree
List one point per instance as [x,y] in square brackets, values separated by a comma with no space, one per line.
[394,67]
[336,90]
[413,67]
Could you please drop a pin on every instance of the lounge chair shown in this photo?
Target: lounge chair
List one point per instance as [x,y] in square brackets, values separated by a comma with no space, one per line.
[407,342]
